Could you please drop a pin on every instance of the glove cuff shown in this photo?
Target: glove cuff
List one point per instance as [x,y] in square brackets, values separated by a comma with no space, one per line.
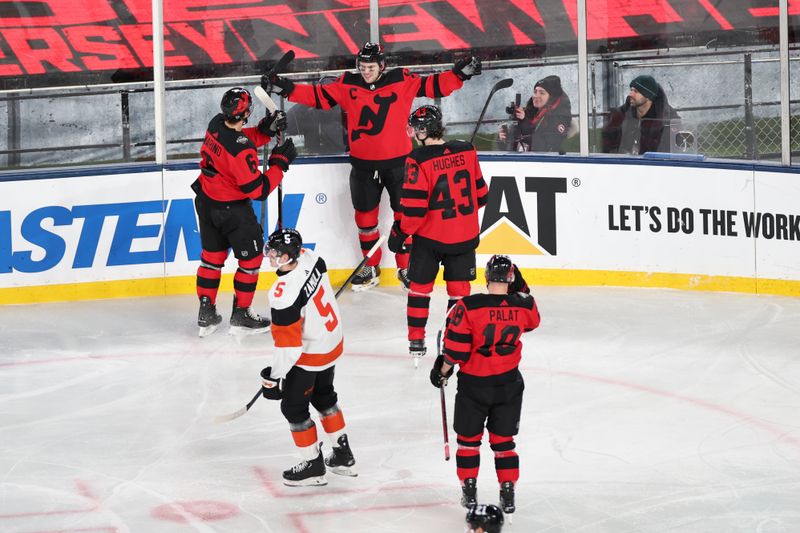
[280,160]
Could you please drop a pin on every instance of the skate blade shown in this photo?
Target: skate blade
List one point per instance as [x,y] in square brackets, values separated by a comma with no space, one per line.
[365,286]
[308,482]
[241,331]
[205,331]
[344,470]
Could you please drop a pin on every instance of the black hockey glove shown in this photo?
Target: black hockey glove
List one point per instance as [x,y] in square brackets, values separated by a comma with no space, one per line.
[271,388]
[467,67]
[397,240]
[274,123]
[283,155]
[437,378]
[274,84]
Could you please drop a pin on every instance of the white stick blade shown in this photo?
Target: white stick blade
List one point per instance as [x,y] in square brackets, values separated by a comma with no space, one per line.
[262,95]
[227,418]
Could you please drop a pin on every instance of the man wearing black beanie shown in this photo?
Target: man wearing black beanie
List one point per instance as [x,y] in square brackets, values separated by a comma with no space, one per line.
[642,123]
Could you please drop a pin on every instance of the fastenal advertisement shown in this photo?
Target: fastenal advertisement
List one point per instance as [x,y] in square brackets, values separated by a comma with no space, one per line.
[573,223]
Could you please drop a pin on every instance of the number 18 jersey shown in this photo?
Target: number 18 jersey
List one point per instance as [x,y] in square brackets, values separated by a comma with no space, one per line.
[483,335]
[442,192]
[306,323]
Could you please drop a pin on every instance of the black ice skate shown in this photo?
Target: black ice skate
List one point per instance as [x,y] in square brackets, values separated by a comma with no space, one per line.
[366,277]
[417,350]
[341,460]
[507,497]
[469,493]
[245,321]
[207,318]
[402,275]
[306,473]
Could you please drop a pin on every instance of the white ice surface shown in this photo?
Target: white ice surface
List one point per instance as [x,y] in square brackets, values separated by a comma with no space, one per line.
[645,410]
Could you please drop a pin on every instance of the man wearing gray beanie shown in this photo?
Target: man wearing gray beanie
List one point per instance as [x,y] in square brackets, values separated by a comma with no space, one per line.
[642,123]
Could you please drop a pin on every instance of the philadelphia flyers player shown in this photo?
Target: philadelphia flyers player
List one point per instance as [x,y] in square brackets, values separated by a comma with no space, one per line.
[442,192]
[229,180]
[377,102]
[483,338]
[307,329]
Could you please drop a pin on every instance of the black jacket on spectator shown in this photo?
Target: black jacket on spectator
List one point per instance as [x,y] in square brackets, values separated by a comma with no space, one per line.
[543,130]
[654,126]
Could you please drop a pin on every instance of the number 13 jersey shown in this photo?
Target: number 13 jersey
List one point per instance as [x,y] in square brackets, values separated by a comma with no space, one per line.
[442,192]
[306,324]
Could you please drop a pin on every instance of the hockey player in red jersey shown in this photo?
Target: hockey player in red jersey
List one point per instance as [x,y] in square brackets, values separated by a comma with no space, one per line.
[377,102]
[229,180]
[442,192]
[307,329]
[483,338]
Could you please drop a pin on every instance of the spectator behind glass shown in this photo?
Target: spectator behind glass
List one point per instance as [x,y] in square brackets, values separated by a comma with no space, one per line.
[322,130]
[642,123]
[544,122]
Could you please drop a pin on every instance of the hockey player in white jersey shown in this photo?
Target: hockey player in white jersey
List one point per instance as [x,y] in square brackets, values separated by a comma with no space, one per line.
[308,339]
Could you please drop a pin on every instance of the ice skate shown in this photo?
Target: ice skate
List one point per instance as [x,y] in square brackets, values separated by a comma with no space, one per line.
[366,278]
[402,275]
[245,321]
[507,497]
[469,493]
[417,350]
[306,473]
[341,460]
[208,320]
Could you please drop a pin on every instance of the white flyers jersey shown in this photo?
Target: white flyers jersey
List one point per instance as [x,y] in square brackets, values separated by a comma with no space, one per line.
[306,323]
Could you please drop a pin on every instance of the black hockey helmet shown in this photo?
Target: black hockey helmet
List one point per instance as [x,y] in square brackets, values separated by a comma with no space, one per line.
[500,269]
[236,103]
[489,517]
[371,53]
[285,241]
[428,118]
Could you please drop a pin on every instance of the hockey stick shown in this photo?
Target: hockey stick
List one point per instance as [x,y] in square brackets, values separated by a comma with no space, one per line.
[236,414]
[269,103]
[502,84]
[371,252]
[444,407]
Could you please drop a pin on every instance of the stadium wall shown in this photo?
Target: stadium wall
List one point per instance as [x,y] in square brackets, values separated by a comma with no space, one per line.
[132,231]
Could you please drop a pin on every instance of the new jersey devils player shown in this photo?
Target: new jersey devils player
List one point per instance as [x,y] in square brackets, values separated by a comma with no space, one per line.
[377,102]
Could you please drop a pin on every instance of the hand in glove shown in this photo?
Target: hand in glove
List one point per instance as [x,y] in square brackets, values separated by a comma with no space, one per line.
[270,387]
[438,379]
[467,67]
[397,240]
[274,123]
[274,84]
[283,155]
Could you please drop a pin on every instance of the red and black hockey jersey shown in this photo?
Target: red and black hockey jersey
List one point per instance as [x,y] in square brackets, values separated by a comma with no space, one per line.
[442,191]
[377,113]
[483,335]
[229,169]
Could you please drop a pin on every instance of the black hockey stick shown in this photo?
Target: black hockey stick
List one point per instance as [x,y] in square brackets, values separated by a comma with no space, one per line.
[361,264]
[502,84]
[269,103]
[240,412]
[444,406]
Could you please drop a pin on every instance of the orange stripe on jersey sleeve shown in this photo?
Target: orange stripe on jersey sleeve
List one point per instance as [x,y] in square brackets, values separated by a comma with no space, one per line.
[288,336]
